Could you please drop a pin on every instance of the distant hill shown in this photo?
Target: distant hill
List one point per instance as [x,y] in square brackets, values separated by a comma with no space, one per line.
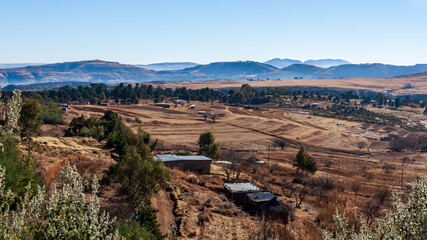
[15,65]
[421,74]
[236,70]
[83,71]
[281,63]
[375,70]
[43,86]
[97,71]
[168,66]
[325,63]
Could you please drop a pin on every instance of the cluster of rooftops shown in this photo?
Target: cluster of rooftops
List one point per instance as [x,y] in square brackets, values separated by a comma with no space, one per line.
[247,193]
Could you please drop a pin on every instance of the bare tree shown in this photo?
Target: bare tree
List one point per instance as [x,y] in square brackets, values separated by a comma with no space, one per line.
[238,162]
[355,187]
[299,193]
[373,208]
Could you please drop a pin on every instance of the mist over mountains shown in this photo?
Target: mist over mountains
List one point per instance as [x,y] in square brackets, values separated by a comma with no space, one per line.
[167,66]
[323,63]
[113,72]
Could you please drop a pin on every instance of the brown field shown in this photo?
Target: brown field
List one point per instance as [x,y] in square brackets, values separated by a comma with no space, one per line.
[395,85]
[331,142]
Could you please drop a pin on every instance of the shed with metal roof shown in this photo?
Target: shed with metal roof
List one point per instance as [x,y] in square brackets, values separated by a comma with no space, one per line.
[197,163]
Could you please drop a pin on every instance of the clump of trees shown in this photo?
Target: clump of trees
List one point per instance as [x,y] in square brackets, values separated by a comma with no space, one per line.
[410,143]
[406,220]
[304,162]
[208,146]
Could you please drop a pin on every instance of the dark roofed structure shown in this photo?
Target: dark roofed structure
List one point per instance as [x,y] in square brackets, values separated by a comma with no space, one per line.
[200,164]
[259,198]
[238,191]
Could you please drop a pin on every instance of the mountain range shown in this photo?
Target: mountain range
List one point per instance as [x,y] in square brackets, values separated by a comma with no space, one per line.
[113,72]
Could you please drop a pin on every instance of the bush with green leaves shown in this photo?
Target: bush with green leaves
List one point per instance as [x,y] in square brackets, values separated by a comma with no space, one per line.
[143,226]
[18,174]
[63,214]
[406,220]
[133,231]
[10,111]
[51,114]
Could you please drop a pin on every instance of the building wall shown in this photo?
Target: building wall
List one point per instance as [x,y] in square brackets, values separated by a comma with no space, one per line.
[198,166]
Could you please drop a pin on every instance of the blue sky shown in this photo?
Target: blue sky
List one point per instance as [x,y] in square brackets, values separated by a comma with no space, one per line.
[360,31]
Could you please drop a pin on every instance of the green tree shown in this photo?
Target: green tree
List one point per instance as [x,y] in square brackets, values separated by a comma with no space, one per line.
[207,145]
[140,175]
[29,122]
[304,162]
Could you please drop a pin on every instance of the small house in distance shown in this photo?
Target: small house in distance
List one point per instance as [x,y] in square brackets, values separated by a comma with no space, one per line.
[199,164]
[238,191]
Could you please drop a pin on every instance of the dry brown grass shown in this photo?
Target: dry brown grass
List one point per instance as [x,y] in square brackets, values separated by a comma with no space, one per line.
[373,84]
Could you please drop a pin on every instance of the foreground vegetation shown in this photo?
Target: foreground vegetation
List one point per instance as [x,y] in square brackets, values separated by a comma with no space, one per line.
[406,220]
[28,211]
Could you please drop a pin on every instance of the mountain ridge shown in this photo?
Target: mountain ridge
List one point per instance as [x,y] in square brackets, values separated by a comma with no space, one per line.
[114,72]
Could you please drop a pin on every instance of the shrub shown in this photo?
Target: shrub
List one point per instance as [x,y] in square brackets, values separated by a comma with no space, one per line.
[406,220]
[137,120]
[133,231]
[297,180]
[57,134]
[64,214]
[51,114]
[18,175]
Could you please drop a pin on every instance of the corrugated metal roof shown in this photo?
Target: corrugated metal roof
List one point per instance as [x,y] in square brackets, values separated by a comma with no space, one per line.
[172,157]
[261,196]
[241,187]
